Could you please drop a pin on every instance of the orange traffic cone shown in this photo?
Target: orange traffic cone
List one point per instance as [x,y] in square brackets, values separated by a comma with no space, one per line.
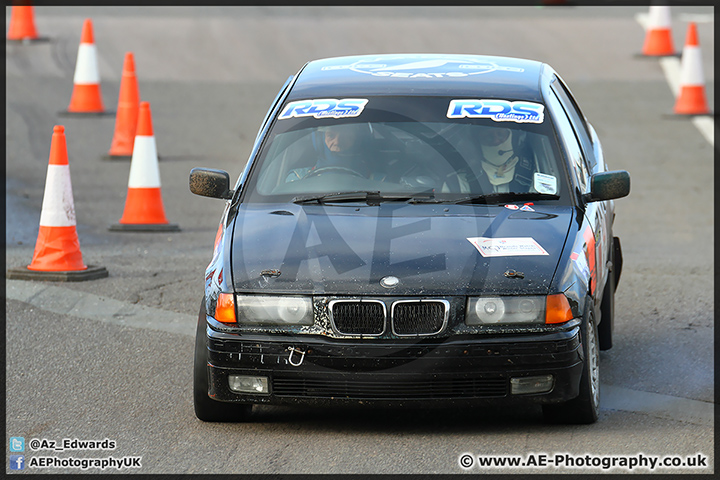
[86,96]
[144,210]
[127,112]
[57,254]
[22,24]
[658,37]
[691,100]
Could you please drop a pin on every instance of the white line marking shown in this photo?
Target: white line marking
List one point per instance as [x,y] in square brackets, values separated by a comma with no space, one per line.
[671,67]
[642,19]
[706,125]
[696,17]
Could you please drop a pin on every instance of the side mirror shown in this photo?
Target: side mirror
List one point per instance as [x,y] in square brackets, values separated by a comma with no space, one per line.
[608,185]
[209,182]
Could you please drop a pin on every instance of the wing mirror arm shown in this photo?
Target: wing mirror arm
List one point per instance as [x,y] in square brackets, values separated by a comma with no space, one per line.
[209,182]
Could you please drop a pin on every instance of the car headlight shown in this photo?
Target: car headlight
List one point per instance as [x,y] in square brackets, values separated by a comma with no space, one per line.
[518,310]
[273,310]
[505,310]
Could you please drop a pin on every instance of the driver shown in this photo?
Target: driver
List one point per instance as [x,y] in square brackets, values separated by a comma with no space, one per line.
[339,147]
[496,159]
[506,167]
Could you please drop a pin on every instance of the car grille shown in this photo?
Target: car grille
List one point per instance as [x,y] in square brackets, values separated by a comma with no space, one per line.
[408,317]
[418,318]
[358,318]
[386,389]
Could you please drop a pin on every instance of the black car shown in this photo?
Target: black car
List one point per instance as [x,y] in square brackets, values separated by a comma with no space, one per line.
[413,230]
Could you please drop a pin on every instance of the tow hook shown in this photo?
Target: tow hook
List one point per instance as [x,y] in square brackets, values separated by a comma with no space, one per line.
[290,358]
[514,274]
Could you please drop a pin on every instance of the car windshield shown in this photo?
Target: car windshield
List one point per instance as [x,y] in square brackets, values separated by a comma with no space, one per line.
[412,148]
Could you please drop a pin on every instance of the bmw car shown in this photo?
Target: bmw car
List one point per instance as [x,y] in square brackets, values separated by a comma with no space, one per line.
[412,230]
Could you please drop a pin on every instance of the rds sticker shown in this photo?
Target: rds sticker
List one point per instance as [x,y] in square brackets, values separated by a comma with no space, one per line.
[323,108]
[498,110]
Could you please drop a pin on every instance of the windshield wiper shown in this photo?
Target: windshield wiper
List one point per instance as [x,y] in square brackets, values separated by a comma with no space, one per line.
[491,198]
[371,198]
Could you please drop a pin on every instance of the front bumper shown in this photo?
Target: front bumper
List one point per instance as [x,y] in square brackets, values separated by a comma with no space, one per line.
[454,370]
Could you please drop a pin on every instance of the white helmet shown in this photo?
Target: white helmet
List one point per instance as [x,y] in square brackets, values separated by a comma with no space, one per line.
[499,157]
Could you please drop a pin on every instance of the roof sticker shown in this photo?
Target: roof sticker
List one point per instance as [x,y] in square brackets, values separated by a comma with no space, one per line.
[507,247]
[325,107]
[423,66]
[497,110]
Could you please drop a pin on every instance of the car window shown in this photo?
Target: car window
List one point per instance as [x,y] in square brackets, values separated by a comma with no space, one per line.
[406,145]
[576,161]
[578,119]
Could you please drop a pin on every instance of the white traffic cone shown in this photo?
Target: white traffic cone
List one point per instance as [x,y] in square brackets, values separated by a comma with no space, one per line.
[144,210]
[691,100]
[57,255]
[658,37]
[86,95]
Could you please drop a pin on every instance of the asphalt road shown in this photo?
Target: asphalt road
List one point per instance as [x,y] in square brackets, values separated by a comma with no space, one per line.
[112,358]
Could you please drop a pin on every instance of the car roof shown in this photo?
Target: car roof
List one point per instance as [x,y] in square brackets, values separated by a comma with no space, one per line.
[420,74]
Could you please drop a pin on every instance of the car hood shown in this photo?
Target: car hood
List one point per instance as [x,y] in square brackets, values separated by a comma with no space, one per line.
[430,249]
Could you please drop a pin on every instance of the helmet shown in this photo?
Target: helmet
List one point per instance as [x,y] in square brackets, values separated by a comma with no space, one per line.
[496,145]
[500,147]
[341,137]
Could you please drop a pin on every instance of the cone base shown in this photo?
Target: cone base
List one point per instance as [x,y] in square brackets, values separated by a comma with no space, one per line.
[109,156]
[28,40]
[680,116]
[149,227]
[68,113]
[642,55]
[120,152]
[660,55]
[117,157]
[91,273]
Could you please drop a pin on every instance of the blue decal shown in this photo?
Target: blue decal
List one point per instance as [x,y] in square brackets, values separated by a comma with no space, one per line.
[326,107]
[498,110]
[422,66]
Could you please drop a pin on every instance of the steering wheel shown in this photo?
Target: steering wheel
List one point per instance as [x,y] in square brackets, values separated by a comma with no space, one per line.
[346,170]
